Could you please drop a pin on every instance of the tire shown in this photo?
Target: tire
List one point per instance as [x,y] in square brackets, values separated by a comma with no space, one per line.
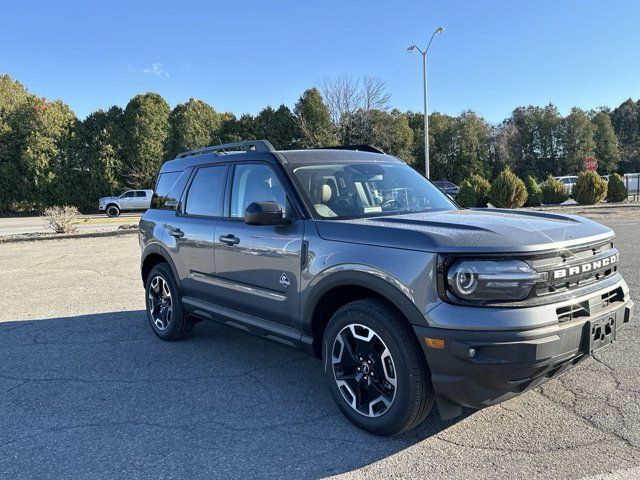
[168,321]
[113,211]
[399,408]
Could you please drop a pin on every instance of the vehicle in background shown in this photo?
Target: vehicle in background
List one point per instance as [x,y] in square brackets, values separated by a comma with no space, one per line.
[449,188]
[129,200]
[568,181]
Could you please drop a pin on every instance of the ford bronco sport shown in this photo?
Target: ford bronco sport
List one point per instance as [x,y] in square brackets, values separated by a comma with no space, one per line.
[352,256]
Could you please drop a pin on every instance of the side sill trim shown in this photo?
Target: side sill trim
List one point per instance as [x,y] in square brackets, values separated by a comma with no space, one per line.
[257,326]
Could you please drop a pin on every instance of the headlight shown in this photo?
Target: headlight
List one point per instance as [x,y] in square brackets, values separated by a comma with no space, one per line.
[491,280]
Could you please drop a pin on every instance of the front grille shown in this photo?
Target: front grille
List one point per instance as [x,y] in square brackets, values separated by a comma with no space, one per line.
[566,260]
[591,306]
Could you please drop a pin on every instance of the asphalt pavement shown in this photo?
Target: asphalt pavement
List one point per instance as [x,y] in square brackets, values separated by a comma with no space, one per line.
[87,391]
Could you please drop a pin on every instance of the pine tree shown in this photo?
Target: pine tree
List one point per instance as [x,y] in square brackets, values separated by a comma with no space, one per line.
[191,125]
[146,123]
[314,120]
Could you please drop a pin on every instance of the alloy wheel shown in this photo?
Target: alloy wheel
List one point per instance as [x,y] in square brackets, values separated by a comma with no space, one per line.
[160,305]
[364,370]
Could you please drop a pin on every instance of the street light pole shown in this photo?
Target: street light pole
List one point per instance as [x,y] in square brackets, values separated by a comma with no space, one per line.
[426,115]
[426,97]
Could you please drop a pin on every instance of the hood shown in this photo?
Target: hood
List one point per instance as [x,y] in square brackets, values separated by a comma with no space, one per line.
[470,231]
[102,199]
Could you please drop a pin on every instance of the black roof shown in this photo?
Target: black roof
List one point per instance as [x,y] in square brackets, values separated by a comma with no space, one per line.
[328,155]
[263,150]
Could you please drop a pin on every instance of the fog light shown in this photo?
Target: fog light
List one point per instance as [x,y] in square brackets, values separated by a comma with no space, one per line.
[472,352]
[434,343]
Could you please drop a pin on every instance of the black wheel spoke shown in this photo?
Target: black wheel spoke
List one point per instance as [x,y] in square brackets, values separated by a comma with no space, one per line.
[346,372]
[377,386]
[348,355]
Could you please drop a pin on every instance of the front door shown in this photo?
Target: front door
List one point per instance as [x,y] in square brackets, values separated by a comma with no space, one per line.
[257,266]
[190,233]
[128,200]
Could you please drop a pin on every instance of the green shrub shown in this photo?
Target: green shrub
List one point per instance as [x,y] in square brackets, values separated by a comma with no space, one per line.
[481,187]
[534,192]
[467,195]
[616,190]
[589,189]
[508,191]
[553,192]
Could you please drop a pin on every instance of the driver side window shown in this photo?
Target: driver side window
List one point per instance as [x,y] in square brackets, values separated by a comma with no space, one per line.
[255,183]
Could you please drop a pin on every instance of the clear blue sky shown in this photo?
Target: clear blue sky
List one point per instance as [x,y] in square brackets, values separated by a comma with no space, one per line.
[241,56]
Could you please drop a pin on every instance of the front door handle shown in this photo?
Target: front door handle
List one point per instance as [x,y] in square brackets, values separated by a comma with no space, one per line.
[229,239]
[176,233]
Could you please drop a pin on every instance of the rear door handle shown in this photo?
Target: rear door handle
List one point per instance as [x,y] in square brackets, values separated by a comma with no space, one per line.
[176,233]
[229,239]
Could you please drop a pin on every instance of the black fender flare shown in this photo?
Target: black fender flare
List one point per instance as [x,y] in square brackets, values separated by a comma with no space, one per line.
[154,248]
[347,278]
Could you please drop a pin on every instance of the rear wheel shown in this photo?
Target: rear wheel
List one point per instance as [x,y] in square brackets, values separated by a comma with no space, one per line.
[375,370]
[113,211]
[166,316]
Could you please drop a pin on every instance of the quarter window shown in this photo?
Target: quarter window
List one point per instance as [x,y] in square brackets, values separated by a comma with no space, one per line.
[169,189]
[205,193]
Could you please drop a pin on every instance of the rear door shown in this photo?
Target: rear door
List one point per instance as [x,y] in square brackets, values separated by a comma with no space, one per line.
[258,266]
[190,233]
[141,199]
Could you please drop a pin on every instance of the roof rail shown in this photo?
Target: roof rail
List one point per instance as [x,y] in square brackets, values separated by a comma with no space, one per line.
[360,148]
[253,145]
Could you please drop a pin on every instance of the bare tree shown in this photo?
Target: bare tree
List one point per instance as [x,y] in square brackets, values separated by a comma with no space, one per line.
[374,94]
[347,98]
[341,95]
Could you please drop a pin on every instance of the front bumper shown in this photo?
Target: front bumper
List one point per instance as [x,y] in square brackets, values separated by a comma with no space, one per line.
[504,364]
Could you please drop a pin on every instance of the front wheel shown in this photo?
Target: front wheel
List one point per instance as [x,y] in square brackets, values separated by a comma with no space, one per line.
[376,372]
[166,316]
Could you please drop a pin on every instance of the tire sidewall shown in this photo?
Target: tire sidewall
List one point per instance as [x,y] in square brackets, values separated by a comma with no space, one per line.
[177,313]
[399,412]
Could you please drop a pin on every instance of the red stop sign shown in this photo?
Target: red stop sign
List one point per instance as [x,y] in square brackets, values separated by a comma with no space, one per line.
[590,163]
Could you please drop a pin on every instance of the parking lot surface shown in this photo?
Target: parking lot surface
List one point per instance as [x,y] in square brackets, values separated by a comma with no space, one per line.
[87,391]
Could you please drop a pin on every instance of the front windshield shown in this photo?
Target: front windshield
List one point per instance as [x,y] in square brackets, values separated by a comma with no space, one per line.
[352,190]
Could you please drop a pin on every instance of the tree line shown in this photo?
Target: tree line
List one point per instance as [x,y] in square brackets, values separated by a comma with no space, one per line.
[48,156]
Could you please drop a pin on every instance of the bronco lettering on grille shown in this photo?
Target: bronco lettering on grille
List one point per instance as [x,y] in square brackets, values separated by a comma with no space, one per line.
[585,267]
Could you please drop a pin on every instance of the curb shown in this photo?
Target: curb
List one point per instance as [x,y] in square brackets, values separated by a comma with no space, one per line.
[110,233]
[623,206]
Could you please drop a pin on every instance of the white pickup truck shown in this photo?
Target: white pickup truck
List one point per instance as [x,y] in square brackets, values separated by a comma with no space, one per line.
[129,200]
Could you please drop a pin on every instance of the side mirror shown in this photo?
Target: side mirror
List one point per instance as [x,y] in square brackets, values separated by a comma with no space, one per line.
[265,213]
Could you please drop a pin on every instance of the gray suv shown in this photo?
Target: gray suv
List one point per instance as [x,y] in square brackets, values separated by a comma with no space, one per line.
[352,256]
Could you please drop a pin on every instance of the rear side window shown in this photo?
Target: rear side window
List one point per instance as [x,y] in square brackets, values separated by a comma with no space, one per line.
[169,189]
[141,193]
[205,193]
